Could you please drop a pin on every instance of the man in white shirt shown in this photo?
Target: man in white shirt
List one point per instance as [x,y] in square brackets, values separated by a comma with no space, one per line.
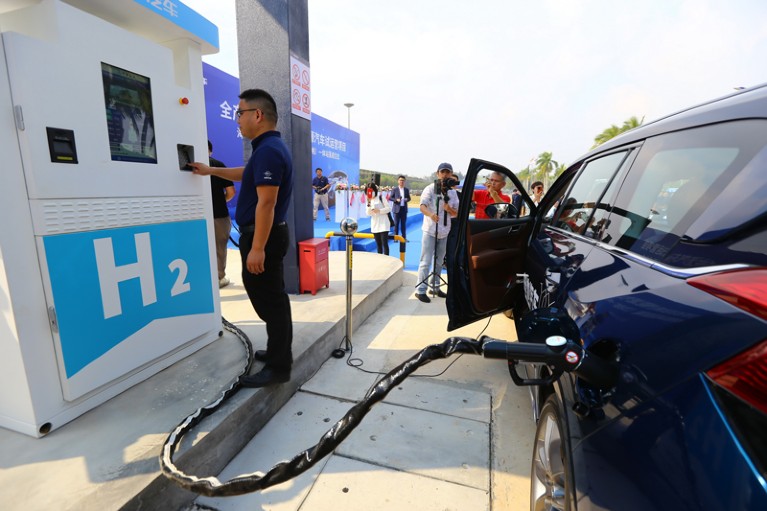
[437,218]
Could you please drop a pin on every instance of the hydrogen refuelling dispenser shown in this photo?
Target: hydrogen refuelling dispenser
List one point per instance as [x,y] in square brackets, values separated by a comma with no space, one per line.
[107,269]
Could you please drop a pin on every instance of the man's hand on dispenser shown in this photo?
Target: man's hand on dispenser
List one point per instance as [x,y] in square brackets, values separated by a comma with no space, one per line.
[200,168]
[230,173]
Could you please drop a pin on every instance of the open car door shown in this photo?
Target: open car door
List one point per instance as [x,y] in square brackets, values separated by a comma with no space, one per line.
[490,250]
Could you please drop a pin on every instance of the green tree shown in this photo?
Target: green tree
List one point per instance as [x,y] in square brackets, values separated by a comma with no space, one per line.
[544,167]
[613,131]
[545,163]
[524,174]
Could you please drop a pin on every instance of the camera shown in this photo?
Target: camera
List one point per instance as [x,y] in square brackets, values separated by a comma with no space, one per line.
[443,185]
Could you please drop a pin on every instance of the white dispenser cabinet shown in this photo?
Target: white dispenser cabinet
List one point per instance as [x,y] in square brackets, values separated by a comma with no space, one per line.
[107,266]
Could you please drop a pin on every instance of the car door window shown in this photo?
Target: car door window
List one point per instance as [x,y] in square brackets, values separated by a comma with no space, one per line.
[583,211]
[675,179]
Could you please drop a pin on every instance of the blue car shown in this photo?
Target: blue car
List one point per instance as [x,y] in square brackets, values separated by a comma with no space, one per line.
[651,253]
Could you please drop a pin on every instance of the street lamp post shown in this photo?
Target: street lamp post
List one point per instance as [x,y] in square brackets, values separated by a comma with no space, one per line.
[349,114]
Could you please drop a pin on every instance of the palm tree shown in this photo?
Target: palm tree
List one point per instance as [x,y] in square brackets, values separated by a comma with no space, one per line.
[613,131]
[631,123]
[524,175]
[544,165]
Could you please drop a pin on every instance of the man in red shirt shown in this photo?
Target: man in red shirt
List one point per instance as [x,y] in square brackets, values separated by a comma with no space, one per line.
[491,195]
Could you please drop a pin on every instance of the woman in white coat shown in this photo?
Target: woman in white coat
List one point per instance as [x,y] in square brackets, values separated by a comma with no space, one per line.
[378,209]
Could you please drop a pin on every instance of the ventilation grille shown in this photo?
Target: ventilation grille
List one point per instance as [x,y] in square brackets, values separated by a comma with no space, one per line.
[73,215]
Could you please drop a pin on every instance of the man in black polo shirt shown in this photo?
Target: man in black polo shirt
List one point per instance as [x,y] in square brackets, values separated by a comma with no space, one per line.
[321,186]
[262,207]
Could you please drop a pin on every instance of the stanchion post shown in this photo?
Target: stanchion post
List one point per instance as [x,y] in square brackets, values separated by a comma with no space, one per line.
[349,227]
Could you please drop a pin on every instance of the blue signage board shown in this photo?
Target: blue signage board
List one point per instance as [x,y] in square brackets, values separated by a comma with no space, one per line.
[107,285]
[336,150]
[185,17]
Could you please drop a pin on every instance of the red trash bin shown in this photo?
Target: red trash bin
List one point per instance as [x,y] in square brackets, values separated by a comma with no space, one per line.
[313,265]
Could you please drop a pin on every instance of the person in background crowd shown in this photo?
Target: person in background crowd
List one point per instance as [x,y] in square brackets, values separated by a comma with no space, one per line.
[516,201]
[321,186]
[221,192]
[400,196]
[378,209]
[436,227]
[490,195]
[536,195]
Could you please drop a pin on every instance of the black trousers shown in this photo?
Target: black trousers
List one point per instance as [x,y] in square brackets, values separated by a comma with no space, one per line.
[382,242]
[268,296]
[400,222]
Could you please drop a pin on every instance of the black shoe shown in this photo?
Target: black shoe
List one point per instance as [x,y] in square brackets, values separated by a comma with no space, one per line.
[423,297]
[265,377]
[441,293]
[260,355]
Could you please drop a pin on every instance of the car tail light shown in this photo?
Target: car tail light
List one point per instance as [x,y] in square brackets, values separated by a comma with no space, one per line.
[740,383]
[745,375]
[745,289]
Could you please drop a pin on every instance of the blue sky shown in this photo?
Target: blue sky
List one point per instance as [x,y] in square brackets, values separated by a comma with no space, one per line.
[504,80]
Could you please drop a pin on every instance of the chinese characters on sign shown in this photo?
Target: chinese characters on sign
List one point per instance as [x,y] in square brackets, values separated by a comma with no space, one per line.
[323,142]
[183,17]
[300,89]
[230,112]
[166,6]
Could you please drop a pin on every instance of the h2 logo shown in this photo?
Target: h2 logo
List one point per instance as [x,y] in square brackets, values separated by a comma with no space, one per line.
[108,285]
[110,274]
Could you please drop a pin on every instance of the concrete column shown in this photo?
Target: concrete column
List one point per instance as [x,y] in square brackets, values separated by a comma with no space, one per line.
[267,32]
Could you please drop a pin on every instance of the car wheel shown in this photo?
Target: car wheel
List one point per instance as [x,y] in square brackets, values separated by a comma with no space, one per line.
[550,475]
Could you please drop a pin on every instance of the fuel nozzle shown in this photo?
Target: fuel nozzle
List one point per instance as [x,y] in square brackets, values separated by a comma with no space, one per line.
[560,354]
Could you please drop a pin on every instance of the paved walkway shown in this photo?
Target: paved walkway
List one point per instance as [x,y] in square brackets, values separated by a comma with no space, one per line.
[457,437]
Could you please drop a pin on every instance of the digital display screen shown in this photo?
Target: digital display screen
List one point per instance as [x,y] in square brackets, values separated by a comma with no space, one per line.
[130,122]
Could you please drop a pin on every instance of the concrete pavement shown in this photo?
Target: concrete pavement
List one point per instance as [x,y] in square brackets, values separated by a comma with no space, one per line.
[457,437]
[460,439]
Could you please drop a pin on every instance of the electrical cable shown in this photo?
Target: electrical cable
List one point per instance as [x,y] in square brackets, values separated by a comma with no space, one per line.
[286,470]
[174,438]
[358,362]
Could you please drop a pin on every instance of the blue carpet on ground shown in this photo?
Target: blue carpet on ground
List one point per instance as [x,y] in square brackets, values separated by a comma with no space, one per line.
[322,227]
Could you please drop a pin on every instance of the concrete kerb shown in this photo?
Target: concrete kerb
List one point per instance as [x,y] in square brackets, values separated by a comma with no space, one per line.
[222,435]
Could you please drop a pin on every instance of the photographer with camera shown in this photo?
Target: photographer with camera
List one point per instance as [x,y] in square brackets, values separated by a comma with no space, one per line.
[439,203]
[491,195]
[378,210]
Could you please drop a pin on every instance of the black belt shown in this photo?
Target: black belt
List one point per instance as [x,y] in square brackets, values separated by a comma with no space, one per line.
[247,229]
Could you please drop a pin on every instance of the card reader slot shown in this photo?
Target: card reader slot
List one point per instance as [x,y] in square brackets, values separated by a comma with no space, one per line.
[185,156]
